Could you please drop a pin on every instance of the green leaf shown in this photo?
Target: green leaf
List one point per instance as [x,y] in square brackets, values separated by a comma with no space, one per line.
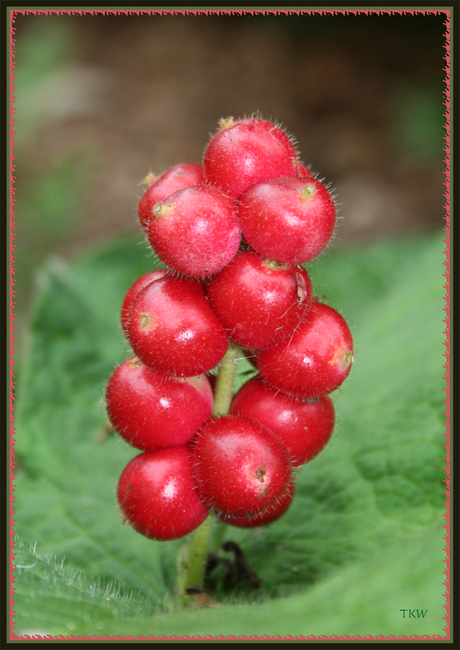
[364,536]
[57,598]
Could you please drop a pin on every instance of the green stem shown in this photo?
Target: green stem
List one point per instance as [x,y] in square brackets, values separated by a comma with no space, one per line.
[191,562]
[225,380]
[218,537]
[192,558]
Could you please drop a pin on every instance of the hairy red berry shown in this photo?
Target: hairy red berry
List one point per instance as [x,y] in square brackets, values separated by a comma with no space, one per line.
[133,292]
[233,233]
[195,231]
[304,425]
[267,516]
[173,329]
[240,467]
[245,152]
[259,301]
[176,178]
[290,220]
[151,411]
[304,172]
[315,360]
[156,494]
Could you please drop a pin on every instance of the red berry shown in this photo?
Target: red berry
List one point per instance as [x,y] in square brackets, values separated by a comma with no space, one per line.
[240,467]
[133,292]
[259,301]
[289,220]
[315,360]
[267,516]
[304,172]
[247,152]
[173,329]
[151,411]
[304,425]
[196,230]
[176,178]
[156,494]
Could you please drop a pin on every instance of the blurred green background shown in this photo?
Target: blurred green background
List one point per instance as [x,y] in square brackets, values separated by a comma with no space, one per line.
[101,100]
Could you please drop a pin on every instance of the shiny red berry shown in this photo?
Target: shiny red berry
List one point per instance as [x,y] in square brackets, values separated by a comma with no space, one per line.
[259,302]
[151,411]
[176,178]
[156,494]
[245,152]
[240,467]
[315,360]
[304,425]
[173,329]
[290,220]
[195,231]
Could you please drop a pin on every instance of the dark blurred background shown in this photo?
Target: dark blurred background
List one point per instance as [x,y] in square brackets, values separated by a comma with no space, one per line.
[101,100]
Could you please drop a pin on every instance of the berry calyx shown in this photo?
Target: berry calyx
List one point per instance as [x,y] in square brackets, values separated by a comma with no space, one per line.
[195,231]
[290,220]
[317,358]
[159,188]
[304,425]
[259,302]
[240,467]
[245,152]
[173,329]
[152,411]
[156,494]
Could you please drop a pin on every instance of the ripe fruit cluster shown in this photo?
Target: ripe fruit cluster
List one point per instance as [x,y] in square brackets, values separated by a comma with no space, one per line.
[233,234]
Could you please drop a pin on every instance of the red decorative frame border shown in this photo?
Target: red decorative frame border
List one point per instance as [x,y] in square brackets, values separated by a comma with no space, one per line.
[447,320]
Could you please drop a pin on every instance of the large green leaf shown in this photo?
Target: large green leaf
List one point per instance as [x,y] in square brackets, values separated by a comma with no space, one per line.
[363,539]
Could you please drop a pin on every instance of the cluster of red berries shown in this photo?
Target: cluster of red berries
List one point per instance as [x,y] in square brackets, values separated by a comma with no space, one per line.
[233,233]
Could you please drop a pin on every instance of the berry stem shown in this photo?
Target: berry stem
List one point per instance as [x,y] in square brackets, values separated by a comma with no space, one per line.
[219,535]
[192,558]
[225,380]
[191,562]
